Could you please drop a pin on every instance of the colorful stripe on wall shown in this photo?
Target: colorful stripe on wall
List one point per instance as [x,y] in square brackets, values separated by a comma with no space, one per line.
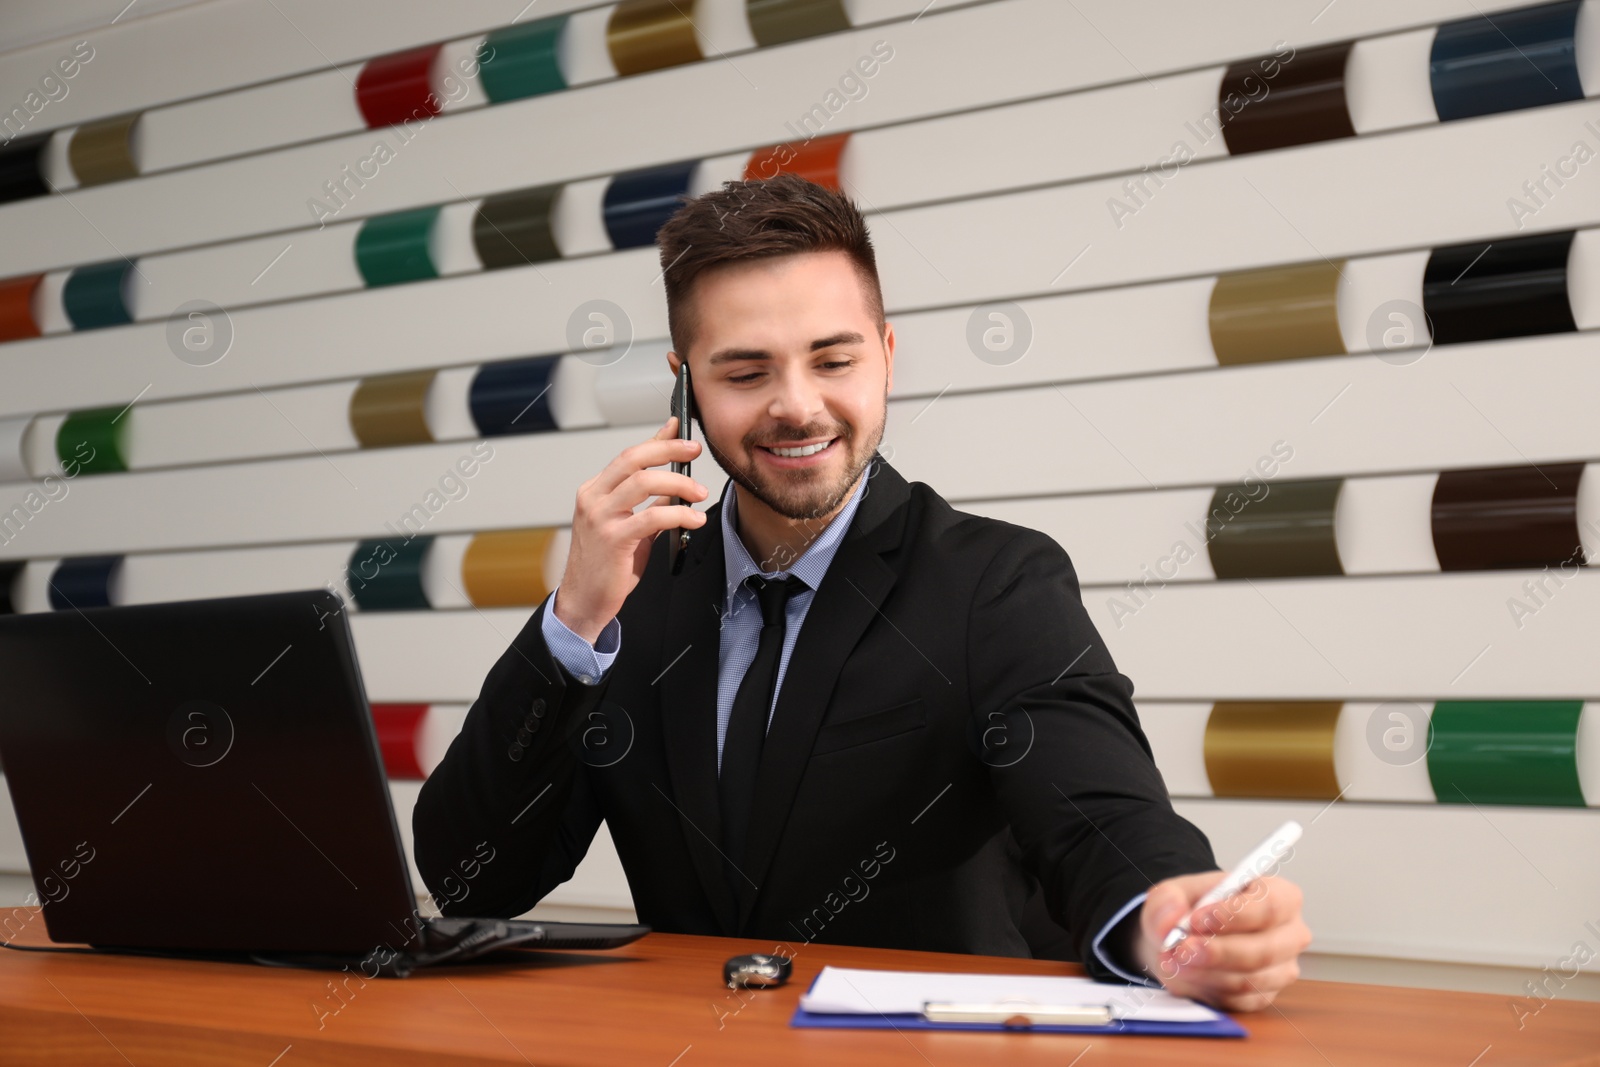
[505,568]
[398,88]
[21,170]
[1268,103]
[1509,288]
[523,60]
[816,160]
[93,441]
[638,202]
[645,35]
[514,229]
[8,580]
[95,296]
[781,21]
[84,583]
[391,409]
[1505,752]
[514,397]
[1276,313]
[102,152]
[393,249]
[1272,749]
[17,320]
[1498,517]
[1274,530]
[386,574]
[1506,61]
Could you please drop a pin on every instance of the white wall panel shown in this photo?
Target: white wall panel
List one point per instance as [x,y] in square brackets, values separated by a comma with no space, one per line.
[305,263]
[1412,637]
[1385,525]
[1441,868]
[1457,407]
[1119,537]
[1387,84]
[310,107]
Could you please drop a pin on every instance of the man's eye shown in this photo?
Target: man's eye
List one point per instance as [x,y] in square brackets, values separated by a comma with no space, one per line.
[745,378]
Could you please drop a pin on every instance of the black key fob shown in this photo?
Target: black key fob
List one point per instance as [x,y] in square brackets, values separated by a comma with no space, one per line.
[756,970]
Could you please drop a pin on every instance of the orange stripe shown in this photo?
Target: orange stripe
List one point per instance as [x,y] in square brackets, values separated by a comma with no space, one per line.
[16,308]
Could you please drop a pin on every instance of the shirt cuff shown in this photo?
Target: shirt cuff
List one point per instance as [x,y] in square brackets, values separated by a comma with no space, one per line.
[1104,958]
[585,662]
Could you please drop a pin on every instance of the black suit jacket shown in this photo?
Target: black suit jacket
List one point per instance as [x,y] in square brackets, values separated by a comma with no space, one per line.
[951,737]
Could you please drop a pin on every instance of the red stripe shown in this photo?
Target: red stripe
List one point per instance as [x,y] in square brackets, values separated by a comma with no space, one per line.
[392,89]
[398,726]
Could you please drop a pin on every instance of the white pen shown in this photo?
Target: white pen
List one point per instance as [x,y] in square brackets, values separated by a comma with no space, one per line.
[1261,859]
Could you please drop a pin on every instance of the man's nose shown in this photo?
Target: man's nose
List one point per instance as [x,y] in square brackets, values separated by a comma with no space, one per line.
[797,399]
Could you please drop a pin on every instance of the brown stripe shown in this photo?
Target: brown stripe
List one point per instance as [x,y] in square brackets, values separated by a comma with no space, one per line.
[102,152]
[1278,313]
[505,568]
[1507,517]
[651,34]
[1272,102]
[391,409]
[1272,748]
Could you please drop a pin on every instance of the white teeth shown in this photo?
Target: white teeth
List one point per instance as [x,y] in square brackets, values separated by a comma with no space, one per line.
[808,450]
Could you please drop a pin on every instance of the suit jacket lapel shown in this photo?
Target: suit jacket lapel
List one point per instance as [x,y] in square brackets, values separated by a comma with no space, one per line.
[856,583]
[688,695]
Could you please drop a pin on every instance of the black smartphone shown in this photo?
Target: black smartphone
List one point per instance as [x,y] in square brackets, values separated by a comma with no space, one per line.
[683,407]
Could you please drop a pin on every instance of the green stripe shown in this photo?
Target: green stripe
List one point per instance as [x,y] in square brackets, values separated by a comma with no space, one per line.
[93,296]
[522,60]
[391,249]
[1505,752]
[386,575]
[93,442]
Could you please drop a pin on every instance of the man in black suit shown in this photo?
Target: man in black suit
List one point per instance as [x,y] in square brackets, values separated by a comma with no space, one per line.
[856,715]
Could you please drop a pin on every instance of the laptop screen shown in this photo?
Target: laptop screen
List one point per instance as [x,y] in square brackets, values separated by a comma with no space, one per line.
[202,775]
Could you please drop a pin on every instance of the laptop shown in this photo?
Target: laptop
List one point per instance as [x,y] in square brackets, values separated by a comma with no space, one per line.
[203,778]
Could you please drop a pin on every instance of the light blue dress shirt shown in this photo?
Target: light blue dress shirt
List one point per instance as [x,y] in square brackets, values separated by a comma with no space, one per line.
[741,634]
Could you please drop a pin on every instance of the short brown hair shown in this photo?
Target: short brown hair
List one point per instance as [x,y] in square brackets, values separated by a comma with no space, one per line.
[745,220]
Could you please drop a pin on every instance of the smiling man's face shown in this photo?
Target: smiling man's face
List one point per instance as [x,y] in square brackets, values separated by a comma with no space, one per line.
[787,354]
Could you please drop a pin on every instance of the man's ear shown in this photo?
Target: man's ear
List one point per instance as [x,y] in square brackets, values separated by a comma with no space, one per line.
[888,356]
[673,359]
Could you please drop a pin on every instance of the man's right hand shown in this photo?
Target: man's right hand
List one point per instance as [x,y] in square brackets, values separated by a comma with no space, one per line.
[611,541]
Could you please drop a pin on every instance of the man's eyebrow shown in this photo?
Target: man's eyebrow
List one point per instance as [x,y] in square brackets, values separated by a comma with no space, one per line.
[732,355]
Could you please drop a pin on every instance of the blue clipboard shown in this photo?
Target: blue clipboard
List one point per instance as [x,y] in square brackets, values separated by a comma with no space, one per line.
[1222,1026]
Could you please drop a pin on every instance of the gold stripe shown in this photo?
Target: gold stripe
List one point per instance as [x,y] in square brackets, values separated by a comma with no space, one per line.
[390,409]
[1280,313]
[102,152]
[1272,749]
[505,568]
[651,34]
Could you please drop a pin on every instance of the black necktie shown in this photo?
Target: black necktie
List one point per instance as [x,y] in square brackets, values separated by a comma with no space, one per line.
[747,725]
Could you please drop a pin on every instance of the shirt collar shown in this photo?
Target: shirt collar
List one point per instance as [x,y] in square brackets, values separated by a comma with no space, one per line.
[813,562]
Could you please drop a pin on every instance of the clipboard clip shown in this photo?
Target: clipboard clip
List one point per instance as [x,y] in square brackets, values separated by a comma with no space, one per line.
[1020,1014]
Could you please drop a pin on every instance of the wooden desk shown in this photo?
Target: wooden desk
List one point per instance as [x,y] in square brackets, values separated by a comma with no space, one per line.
[660,1003]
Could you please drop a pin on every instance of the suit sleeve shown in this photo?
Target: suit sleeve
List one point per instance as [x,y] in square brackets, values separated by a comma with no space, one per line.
[511,787]
[1074,772]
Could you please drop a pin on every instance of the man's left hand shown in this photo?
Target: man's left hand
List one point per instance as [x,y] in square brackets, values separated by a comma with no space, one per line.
[1240,952]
